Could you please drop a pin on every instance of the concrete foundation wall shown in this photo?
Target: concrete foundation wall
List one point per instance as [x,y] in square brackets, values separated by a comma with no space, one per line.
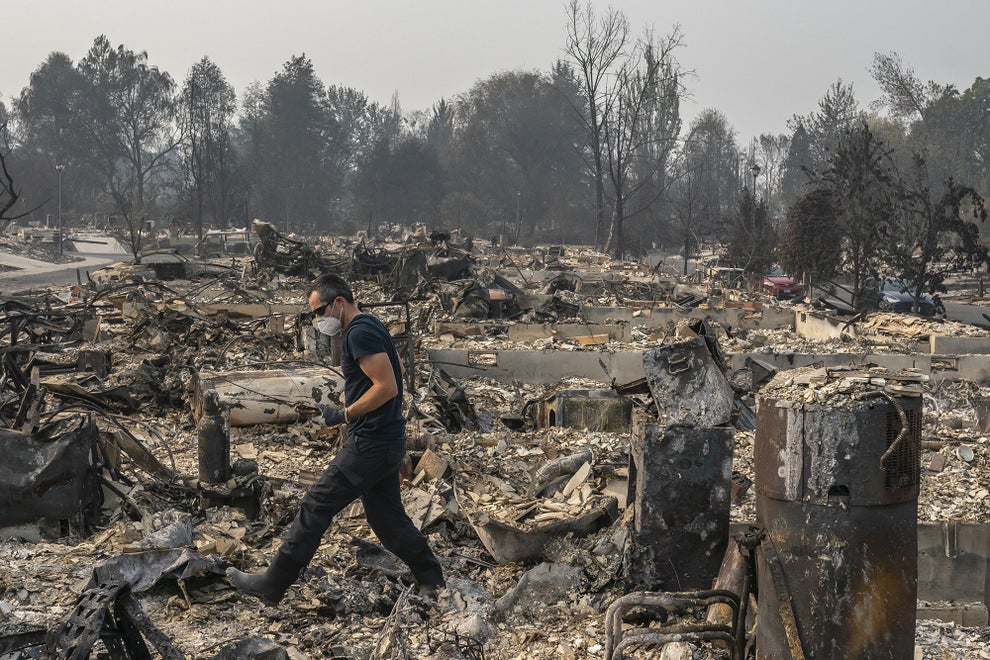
[549,366]
[792,360]
[953,561]
[814,325]
[737,318]
[541,367]
[532,331]
[818,326]
[959,345]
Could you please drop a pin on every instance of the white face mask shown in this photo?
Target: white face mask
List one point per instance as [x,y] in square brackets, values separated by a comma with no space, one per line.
[329,325]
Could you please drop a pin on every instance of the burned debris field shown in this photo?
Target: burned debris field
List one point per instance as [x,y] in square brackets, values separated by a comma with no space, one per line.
[610,460]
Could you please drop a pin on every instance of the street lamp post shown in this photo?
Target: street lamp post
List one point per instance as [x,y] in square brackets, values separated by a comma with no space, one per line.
[58,168]
[518,216]
[755,171]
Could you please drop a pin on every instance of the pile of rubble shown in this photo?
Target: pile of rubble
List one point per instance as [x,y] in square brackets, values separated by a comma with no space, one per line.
[525,491]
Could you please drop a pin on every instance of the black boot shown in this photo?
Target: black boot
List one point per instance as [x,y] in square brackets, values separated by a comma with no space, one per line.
[271,585]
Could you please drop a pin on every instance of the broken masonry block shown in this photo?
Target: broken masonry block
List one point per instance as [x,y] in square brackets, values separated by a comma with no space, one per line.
[687,385]
[680,490]
[541,586]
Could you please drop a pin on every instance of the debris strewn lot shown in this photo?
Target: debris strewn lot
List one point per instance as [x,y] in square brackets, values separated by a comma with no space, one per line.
[520,492]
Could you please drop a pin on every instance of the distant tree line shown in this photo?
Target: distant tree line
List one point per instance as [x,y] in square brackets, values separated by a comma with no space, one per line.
[593,151]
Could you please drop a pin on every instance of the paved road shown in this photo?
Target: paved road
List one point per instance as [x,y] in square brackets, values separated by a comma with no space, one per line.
[32,274]
[972,314]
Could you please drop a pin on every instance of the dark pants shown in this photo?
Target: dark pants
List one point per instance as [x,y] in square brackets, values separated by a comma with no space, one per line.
[372,474]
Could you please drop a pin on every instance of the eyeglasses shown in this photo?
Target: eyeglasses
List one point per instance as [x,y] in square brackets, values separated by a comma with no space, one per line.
[319,310]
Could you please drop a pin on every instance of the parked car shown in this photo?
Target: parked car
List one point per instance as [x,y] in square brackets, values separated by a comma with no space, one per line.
[898,296]
[779,284]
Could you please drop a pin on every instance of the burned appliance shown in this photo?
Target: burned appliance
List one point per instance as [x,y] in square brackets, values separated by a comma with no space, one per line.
[837,482]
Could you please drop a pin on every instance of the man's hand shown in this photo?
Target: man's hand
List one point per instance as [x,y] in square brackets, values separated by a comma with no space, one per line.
[330,416]
[322,414]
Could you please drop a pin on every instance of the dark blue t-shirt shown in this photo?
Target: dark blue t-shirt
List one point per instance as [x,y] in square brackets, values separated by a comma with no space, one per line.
[384,426]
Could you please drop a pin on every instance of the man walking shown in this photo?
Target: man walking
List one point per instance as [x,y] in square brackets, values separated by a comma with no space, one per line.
[367,465]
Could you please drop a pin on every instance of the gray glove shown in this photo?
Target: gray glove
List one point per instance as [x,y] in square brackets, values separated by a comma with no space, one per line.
[329,415]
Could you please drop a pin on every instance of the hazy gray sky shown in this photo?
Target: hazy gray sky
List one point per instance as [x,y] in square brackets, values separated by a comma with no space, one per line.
[759,62]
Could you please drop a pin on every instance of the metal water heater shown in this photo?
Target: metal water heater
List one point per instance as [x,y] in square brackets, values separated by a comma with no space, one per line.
[837,481]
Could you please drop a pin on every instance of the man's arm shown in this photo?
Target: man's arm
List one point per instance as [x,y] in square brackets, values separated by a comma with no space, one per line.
[378,368]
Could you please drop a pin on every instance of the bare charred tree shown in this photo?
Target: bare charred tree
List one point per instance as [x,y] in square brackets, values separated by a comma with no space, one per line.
[771,151]
[686,210]
[130,117]
[648,203]
[647,83]
[595,45]
[131,226]
[9,194]
[129,121]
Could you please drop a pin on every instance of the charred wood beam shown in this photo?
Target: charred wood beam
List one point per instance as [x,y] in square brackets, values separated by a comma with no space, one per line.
[19,379]
[26,418]
[129,610]
[12,643]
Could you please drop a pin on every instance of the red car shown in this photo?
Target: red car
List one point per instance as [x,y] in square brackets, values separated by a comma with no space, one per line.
[780,285]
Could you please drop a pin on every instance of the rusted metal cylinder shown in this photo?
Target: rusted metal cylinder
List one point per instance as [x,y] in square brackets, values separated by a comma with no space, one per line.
[214,442]
[837,480]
